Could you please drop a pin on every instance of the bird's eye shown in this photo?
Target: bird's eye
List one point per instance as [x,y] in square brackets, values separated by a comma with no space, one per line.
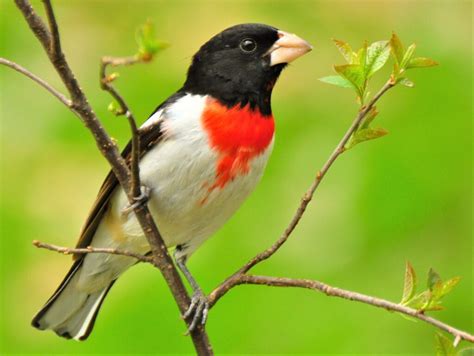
[248,45]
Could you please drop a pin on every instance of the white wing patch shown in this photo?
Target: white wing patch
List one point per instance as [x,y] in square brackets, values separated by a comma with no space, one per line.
[153,119]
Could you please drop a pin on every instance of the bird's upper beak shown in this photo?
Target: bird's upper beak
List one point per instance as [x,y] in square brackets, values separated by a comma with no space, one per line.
[287,48]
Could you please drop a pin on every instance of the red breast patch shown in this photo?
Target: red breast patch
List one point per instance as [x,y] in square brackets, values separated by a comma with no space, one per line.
[237,134]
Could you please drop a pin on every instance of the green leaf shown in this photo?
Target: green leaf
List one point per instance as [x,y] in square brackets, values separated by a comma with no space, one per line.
[396,70]
[337,80]
[365,135]
[148,44]
[377,56]
[420,301]
[448,286]
[407,56]
[409,287]
[354,74]
[444,346]
[421,62]
[433,279]
[406,82]
[361,57]
[369,118]
[396,48]
[437,291]
[346,50]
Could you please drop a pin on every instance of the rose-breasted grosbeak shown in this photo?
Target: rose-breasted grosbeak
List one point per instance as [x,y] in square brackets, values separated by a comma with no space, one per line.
[202,152]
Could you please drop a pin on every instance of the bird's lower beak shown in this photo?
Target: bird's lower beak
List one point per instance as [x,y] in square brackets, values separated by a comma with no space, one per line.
[287,48]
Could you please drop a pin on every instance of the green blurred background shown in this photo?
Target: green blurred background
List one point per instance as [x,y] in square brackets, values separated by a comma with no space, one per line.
[404,197]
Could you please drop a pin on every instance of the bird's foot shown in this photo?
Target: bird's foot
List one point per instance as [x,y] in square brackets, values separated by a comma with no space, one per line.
[198,309]
[138,201]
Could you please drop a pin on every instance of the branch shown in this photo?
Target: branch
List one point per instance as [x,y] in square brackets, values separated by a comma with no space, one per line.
[89,249]
[161,259]
[341,293]
[61,97]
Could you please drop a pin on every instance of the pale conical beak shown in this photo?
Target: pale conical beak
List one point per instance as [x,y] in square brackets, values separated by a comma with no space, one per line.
[287,48]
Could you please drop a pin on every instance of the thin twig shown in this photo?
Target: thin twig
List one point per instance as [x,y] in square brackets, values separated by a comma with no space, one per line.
[341,293]
[121,61]
[89,249]
[319,177]
[105,84]
[61,97]
[135,186]
[55,45]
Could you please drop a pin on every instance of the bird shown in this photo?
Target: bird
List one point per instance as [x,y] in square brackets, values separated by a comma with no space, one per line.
[202,152]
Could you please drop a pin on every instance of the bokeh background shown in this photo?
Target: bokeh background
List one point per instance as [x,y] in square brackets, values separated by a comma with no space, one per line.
[404,197]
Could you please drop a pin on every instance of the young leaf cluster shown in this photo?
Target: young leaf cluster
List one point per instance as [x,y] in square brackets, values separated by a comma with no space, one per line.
[148,47]
[148,44]
[429,299]
[364,132]
[362,64]
[404,60]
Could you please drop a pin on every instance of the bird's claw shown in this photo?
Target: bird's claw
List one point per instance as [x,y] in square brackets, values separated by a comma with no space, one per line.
[198,309]
[139,201]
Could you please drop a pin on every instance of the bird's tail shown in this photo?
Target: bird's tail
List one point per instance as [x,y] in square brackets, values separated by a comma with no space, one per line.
[70,312]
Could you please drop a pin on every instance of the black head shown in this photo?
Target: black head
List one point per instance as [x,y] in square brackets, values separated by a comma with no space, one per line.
[241,64]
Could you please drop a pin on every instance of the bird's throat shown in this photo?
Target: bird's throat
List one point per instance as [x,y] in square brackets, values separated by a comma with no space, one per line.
[237,134]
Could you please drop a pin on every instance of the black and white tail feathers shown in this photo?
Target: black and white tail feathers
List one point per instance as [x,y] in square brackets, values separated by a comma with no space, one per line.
[70,312]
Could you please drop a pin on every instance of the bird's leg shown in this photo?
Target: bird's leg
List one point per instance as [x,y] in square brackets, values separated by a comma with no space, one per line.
[138,201]
[199,306]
